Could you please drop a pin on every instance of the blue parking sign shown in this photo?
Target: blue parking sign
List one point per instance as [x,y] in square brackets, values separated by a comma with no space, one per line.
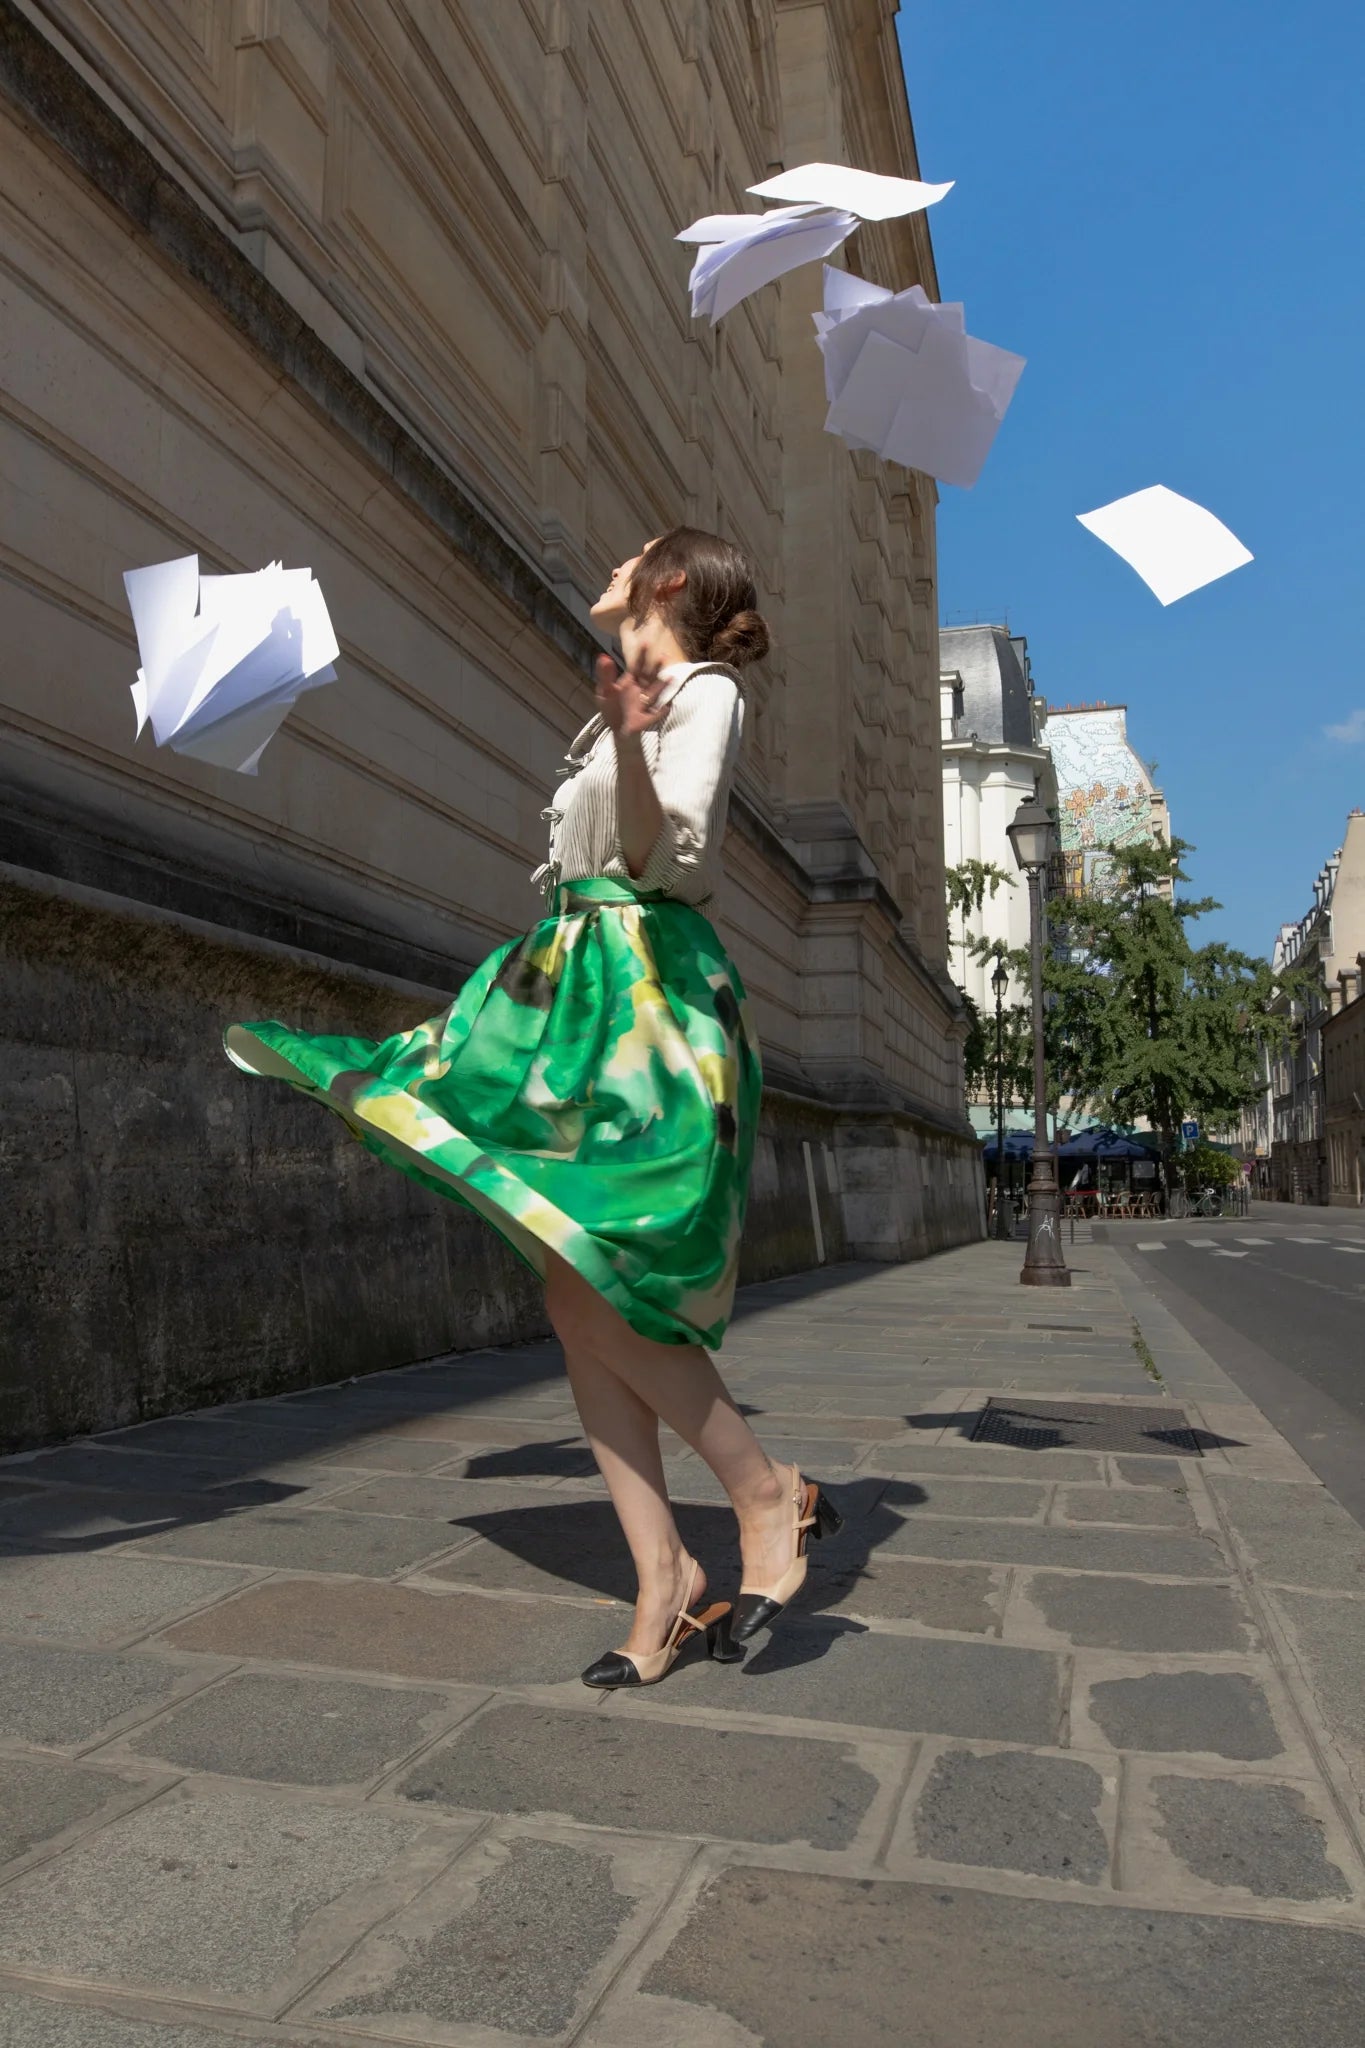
[1189,1132]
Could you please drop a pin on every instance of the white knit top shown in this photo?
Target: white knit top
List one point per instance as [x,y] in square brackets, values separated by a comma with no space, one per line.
[691,759]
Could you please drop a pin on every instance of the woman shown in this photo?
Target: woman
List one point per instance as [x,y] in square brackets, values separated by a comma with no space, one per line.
[594,1089]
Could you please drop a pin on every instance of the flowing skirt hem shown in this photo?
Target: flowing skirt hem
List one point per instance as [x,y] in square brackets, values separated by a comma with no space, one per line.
[530,1225]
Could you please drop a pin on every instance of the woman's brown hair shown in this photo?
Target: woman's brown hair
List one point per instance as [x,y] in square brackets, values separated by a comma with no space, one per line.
[715,613]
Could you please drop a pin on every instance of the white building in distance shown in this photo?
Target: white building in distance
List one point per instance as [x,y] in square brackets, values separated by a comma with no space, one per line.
[993,760]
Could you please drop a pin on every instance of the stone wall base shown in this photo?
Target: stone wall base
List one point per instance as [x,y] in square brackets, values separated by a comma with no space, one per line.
[179,1235]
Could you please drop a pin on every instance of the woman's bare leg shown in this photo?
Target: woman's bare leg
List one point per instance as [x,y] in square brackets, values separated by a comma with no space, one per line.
[624,1434]
[679,1383]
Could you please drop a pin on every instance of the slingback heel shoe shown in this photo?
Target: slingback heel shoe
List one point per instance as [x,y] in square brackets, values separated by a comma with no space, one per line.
[625,1667]
[815,1516]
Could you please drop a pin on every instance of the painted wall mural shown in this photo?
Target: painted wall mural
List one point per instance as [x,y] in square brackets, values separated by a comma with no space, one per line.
[1103,788]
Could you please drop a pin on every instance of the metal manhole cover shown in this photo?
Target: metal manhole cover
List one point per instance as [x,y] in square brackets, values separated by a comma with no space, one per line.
[1087,1426]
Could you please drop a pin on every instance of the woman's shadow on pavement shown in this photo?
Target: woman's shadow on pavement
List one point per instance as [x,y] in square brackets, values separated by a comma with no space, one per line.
[576,1546]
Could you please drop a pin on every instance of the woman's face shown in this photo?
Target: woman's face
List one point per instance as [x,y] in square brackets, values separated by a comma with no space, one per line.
[610,608]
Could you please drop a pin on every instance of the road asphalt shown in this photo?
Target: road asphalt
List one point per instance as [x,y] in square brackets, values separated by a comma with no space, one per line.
[1062,1745]
[1278,1299]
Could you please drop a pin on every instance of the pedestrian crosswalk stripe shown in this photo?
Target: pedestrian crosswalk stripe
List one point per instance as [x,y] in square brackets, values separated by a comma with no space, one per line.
[1221,1251]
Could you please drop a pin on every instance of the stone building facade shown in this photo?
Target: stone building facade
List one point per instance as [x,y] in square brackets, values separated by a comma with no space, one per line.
[1343,1089]
[1324,946]
[390,290]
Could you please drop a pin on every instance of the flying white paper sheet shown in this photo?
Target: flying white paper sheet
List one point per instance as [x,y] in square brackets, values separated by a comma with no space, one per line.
[224,658]
[865,193]
[1174,544]
[745,251]
[905,379]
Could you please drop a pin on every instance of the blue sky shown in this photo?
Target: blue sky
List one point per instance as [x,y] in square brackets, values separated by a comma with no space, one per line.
[1161,206]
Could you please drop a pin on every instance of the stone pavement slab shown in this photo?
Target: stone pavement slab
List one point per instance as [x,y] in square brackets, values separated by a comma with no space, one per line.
[235,1898]
[460,1957]
[1263,1839]
[448,1500]
[1147,1507]
[1327,1642]
[34,2022]
[1011,1810]
[1134,1614]
[662,1776]
[102,1599]
[58,1519]
[59,1698]
[297,1730]
[967,1599]
[983,1461]
[1294,1535]
[1224,1713]
[838,1671]
[1081,1550]
[100,1470]
[405,1631]
[368,1546]
[40,1800]
[861,1962]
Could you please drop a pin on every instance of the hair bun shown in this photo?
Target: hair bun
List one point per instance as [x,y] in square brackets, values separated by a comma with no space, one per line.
[742,639]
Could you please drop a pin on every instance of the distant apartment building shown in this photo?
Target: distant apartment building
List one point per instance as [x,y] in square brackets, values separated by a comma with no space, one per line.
[993,760]
[1343,1089]
[1106,793]
[1002,742]
[1325,945]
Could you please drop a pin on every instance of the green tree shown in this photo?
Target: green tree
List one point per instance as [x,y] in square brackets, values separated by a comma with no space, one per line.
[1144,1024]
[967,886]
[1205,1167]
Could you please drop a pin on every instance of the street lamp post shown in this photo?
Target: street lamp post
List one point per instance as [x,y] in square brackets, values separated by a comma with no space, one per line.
[1004,1221]
[1031,835]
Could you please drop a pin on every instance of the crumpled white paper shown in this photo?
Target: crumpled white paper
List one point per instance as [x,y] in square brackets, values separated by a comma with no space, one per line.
[905,379]
[742,252]
[224,658]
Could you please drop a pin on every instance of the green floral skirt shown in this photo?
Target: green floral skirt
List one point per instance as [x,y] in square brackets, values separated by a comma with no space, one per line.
[593,1089]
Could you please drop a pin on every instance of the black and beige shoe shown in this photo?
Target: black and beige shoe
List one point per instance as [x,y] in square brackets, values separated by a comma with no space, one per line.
[814,1516]
[628,1667]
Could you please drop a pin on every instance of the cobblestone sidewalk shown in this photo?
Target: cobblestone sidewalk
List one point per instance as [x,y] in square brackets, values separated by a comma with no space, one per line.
[1066,1744]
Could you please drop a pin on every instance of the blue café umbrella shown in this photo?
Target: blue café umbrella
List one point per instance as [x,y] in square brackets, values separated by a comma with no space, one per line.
[1106,1141]
[1018,1145]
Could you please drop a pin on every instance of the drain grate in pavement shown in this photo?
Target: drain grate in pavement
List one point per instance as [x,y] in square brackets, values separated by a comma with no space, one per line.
[1087,1426]
[1060,1326]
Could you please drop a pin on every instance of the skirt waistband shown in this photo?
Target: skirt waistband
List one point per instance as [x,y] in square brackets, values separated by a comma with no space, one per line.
[595,890]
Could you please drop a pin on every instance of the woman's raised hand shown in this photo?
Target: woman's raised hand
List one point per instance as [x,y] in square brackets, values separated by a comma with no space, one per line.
[627,702]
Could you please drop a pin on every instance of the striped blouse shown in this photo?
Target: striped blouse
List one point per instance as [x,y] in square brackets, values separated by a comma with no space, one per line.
[691,759]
